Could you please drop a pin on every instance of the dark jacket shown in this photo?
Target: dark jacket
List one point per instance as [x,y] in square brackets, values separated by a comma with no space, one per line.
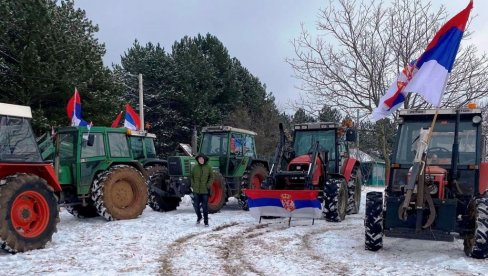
[201,176]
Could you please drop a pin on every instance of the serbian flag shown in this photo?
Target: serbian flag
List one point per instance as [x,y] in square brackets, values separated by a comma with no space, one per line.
[116,122]
[132,120]
[73,110]
[431,71]
[284,203]
[395,96]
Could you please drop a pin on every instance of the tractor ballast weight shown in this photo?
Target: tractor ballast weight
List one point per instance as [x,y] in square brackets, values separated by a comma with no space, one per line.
[232,155]
[442,194]
[29,187]
[319,160]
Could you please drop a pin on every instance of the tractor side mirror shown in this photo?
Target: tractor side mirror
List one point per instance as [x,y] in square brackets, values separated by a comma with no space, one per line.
[350,135]
[89,138]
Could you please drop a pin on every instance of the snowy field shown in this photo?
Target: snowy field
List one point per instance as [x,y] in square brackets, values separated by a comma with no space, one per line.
[234,244]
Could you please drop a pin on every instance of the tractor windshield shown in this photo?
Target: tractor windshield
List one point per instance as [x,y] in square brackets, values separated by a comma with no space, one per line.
[440,147]
[214,144]
[17,142]
[305,140]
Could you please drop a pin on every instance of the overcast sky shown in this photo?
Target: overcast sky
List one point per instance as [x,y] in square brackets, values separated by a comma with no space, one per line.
[257,32]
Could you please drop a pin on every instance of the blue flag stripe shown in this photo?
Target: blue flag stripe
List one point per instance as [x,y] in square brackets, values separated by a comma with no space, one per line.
[276,202]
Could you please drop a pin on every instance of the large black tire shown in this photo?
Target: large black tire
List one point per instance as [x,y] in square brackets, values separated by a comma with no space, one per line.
[335,199]
[354,191]
[476,245]
[251,179]
[119,193]
[80,211]
[218,194]
[373,221]
[157,202]
[29,213]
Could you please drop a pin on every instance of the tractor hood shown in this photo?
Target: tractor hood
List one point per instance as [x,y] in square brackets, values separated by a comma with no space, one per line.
[302,159]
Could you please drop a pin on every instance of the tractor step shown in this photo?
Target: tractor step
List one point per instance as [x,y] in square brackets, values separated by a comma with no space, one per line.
[408,233]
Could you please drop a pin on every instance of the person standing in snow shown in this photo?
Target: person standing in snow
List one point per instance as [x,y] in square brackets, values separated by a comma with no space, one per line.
[201,179]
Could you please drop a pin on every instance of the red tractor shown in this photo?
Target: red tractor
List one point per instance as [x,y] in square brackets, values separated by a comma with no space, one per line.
[438,187]
[319,160]
[28,186]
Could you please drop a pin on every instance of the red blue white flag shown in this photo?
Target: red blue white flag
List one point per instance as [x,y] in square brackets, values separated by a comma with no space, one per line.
[284,203]
[432,69]
[132,120]
[73,110]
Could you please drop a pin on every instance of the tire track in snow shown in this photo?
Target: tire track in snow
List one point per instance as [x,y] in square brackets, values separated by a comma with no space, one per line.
[232,254]
[176,246]
[330,266]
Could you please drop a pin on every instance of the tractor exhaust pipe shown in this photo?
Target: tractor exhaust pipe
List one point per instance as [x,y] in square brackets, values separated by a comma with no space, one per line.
[194,141]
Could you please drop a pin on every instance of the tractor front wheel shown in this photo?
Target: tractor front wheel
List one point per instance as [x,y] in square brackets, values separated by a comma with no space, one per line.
[251,179]
[335,199]
[158,180]
[119,193]
[218,194]
[354,191]
[373,221]
[476,245]
[28,211]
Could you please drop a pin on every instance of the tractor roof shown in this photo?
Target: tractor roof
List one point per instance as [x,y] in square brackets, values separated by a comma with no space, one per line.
[316,125]
[451,111]
[227,129]
[15,110]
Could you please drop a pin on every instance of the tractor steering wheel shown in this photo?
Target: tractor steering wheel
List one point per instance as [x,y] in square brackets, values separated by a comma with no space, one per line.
[440,150]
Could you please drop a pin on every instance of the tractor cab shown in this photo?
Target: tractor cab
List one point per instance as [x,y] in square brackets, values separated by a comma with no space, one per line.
[330,139]
[227,147]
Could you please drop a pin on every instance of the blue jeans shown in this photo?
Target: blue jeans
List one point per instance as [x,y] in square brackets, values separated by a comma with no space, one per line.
[201,200]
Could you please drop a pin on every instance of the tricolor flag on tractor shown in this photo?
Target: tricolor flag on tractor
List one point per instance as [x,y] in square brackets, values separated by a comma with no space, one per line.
[73,110]
[284,203]
[431,71]
[132,120]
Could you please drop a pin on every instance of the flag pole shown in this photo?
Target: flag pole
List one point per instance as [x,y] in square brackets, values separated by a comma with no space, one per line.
[141,102]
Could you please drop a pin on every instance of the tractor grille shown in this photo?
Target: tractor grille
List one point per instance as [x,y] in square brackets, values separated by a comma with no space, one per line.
[174,166]
[187,165]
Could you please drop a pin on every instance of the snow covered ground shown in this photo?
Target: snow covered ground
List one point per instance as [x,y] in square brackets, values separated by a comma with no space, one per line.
[234,244]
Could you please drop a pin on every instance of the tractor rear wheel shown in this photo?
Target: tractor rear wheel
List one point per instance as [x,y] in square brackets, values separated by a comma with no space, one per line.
[80,211]
[251,179]
[373,221]
[119,193]
[354,191]
[29,213]
[476,245]
[335,199]
[218,194]
[159,202]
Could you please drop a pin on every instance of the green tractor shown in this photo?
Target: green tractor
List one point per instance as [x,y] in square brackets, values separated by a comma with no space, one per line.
[232,155]
[99,173]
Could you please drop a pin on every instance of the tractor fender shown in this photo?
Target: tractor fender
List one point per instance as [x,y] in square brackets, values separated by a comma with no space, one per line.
[483,181]
[138,166]
[43,170]
[348,167]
